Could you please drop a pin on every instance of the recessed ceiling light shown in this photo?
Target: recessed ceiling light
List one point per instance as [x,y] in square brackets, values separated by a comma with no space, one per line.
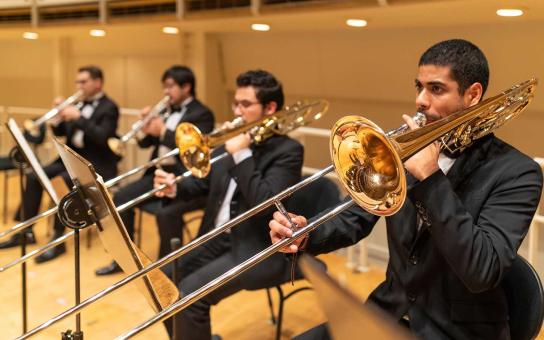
[260,27]
[30,35]
[356,22]
[97,33]
[509,12]
[170,30]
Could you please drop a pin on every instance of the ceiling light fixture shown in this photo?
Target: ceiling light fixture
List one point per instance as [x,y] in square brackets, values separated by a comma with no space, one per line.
[170,30]
[356,22]
[97,33]
[31,35]
[509,12]
[260,27]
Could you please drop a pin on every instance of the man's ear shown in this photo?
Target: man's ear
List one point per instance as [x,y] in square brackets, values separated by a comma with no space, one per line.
[270,108]
[186,88]
[473,95]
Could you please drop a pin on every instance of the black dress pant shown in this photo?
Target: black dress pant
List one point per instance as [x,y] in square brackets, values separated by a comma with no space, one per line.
[169,217]
[33,192]
[129,192]
[195,269]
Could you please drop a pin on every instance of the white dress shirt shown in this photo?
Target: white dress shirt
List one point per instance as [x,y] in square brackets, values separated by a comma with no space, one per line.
[223,215]
[87,111]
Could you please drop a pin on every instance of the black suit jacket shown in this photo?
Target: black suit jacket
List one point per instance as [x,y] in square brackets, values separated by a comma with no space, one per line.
[97,129]
[446,276]
[275,165]
[197,114]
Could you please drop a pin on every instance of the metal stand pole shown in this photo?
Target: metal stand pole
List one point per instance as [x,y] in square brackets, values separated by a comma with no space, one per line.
[175,244]
[20,162]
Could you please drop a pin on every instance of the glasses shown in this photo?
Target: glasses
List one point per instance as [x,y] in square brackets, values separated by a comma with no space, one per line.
[243,104]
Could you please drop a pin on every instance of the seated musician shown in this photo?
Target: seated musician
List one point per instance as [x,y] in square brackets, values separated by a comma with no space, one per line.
[179,84]
[252,173]
[462,223]
[87,126]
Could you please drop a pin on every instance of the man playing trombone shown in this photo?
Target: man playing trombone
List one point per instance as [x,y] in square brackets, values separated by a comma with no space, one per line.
[458,232]
[251,174]
[87,125]
[159,133]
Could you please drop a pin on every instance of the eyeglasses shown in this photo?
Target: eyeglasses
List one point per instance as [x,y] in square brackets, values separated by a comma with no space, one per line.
[244,104]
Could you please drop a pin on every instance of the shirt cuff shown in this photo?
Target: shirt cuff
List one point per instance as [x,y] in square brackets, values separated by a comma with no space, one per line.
[240,155]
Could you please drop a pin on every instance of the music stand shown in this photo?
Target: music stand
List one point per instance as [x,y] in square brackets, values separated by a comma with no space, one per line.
[348,317]
[90,203]
[22,157]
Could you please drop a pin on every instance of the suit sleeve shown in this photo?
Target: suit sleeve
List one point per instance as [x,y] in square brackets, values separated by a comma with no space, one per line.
[203,120]
[343,230]
[60,129]
[148,141]
[480,249]
[257,186]
[101,129]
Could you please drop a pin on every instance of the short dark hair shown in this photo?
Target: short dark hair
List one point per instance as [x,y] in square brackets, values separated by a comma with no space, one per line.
[267,87]
[181,75]
[94,71]
[467,62]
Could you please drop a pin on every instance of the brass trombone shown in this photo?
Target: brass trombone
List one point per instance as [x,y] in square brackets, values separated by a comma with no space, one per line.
[118,145]
[33,126]
[282,122]
[360,152]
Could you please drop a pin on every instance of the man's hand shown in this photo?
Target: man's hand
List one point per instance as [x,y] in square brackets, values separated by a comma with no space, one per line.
[70,113]
[240,142]
[154,127]
[280,228]
[163,177]
[425,162]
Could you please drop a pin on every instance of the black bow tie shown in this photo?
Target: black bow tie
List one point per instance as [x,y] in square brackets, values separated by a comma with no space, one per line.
[88,102]
[175,108]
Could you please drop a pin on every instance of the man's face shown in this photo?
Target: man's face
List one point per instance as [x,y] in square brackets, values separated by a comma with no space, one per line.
[247,106]
[177,93]
[88,85]
[437,94]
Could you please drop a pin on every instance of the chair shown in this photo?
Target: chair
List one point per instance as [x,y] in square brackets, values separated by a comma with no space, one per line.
[308,201]
[6,166]
[152,207]
[525,297]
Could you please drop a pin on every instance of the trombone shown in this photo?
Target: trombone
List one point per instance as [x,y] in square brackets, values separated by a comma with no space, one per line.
[356,144]
[33,126]
[281,122]
[118,145]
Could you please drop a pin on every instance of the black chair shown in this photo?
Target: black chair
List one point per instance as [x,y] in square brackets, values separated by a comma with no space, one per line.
[525,297]
[7,167]
[308,202]
[152,207]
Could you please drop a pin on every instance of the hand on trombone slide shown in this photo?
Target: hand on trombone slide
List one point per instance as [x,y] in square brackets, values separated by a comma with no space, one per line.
[282,227]
[165,178]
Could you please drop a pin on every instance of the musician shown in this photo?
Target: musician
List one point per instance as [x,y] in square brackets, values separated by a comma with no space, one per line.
[87,127]
[463,221]
[159,133]
[252,173]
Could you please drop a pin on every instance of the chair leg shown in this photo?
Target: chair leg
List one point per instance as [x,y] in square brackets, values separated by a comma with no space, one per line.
[271,306]
[139,232]
[280,312]
[5,207]
[89,237]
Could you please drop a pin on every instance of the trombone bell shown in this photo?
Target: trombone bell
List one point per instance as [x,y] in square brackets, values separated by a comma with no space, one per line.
[368,165]
[194,149]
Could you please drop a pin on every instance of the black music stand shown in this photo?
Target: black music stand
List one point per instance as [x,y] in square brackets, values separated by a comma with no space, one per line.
[348,318]
[23,157]
[90,203]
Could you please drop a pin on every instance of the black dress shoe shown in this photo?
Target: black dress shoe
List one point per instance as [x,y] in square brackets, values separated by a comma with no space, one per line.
[15,240]
[111,268]
[51,253]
